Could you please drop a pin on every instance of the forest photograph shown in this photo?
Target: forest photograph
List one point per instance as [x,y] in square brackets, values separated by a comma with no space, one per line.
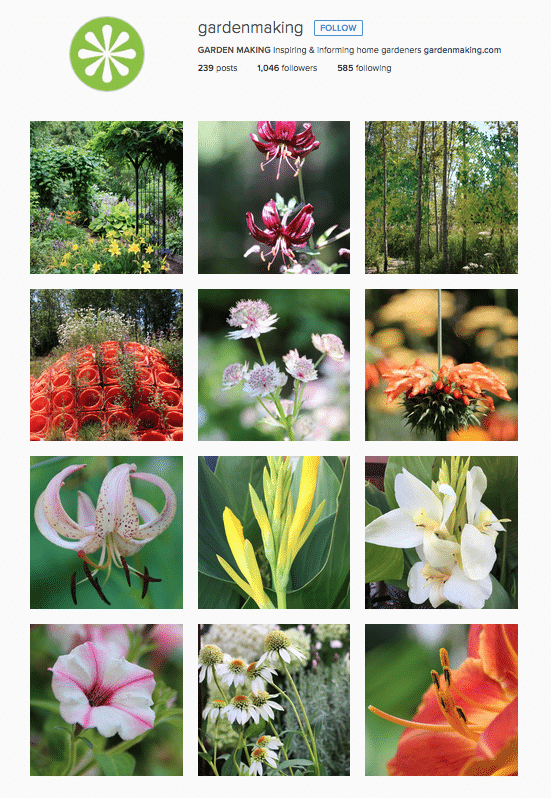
[441,197]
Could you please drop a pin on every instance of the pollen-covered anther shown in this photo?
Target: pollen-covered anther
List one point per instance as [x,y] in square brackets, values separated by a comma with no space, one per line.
[456,720]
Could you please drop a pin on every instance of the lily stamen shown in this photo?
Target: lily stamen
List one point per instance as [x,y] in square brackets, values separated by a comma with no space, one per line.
[454,715]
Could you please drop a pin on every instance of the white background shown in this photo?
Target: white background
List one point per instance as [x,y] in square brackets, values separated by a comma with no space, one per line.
[38,83]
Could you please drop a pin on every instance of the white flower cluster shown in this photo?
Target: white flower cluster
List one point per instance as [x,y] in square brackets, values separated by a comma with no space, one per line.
[88,326]
[239,639]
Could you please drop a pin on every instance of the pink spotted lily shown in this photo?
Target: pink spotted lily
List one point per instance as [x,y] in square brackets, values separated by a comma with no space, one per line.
[112,526]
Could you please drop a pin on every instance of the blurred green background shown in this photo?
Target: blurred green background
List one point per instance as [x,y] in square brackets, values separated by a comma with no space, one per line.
[398,662]
[230,415]
[52,567]
[231,183]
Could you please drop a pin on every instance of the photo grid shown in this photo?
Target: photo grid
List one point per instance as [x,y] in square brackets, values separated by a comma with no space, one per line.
[202,457]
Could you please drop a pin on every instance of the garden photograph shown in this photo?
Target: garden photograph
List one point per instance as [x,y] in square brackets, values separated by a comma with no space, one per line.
[106,700]
[106,197]
[106,365]
[274,364]
[274,700]
[274,532]
[441,365]
[441,197]
[106,532]
[441,700]
[441,533]
[274,197]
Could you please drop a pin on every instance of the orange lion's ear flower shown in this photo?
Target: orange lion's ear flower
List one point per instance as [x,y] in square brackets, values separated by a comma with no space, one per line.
[479,702]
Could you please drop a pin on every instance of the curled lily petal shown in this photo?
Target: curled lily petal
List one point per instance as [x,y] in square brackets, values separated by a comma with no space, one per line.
[50,533]
[54,510]
[162,520]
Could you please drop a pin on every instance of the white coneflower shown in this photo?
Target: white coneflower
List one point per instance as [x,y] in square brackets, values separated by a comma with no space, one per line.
[260,756]
[261,706]
[239,709]
[233,672]
[209,657]
[258,675]
[277,645]
[214,709]
[269,742]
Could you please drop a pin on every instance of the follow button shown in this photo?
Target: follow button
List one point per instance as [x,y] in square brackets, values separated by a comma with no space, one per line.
[338,27]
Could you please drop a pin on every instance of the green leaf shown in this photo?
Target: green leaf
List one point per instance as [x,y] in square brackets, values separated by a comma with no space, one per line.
[325,589]
[216,594]
[235,475]
[376,498]
[229,769]
[499,600]
[292,763]
[118,764]
[50,706]
[255,730]
[382,563]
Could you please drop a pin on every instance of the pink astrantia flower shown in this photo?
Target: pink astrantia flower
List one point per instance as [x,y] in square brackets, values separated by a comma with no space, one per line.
[263,380]
[280,236]
[301,368]
[113,525]
[254,316]
[233,375]
[330,344]
[99,690]
[284,143]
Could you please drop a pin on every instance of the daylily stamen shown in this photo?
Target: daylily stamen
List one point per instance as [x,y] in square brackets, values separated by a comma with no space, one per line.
[454,715]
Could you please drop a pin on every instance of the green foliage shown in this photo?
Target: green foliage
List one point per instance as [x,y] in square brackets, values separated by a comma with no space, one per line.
[482,196]
[119,219]
[50,164]
[160,142]
[325,693]
[320,573]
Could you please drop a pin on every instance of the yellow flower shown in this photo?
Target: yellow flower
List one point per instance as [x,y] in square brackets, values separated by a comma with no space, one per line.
[75,247]
[111,234]
[134,248]
[114,249]
[164,267]
[245,558]
[149,249]
[146,266]
[96,267]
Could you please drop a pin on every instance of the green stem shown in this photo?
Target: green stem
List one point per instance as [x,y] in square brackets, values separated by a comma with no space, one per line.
[295,710]
[272,727]
[222,693]
[261,352]
[281,598]
[303,200]
[213,763]
[503,574]
[72,752]
[312,738]
[439,331]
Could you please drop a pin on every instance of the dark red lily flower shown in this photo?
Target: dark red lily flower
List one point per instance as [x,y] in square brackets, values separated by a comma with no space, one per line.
[284,143]
[279,235]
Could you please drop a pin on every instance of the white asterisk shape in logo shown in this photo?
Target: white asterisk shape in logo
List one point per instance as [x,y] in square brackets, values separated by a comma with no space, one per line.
[105,53]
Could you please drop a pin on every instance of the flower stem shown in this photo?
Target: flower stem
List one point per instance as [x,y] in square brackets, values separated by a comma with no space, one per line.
[295,710]
[213,763]
[313,749]
[281,598]
[72,752]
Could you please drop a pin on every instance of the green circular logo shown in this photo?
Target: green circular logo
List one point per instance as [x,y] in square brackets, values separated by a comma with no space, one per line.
[107,53]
